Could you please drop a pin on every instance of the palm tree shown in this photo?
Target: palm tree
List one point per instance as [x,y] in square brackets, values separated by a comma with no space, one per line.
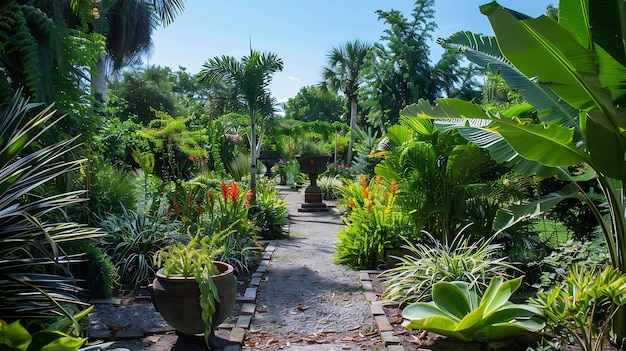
[128,28]
[250,78]
[343,73]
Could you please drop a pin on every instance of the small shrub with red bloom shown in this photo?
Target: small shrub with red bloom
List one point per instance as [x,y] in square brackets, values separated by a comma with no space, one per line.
[373,223]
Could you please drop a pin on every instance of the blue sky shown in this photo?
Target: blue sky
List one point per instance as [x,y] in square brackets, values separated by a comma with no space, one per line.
[301,32]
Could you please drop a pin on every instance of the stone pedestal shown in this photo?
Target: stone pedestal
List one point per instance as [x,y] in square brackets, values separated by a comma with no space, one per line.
[313,165]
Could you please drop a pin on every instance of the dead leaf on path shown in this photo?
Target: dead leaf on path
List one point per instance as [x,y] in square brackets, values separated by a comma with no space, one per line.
[374,332]
[251,343]
[423,335]
[327,332]
[349,340]
[310,341]
[404,332]
[153,338]
[322,341]
[261,310]
[302,308]
[271,341]
[355,328]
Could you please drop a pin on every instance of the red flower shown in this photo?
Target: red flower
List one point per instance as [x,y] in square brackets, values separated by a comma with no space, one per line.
[176,208]
[190,199]
[200,209]
[248,197]
[311,161]
[225,192]
[192,158]
[234,191]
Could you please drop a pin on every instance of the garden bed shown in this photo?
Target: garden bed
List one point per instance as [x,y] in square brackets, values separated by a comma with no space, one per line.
[418,340]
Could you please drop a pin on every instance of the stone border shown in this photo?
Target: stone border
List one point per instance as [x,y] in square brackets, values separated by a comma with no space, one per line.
[391,341]
[248,302]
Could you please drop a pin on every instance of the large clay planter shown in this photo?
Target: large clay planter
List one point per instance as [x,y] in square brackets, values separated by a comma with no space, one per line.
[178,299]
[313,165]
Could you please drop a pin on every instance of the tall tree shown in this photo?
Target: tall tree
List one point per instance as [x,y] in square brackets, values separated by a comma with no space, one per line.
[399,72]
[343,73]
[250,79]
[128,26]
[314,104]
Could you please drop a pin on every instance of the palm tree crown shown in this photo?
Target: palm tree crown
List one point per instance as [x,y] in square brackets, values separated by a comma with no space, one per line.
[343,73]
[250,78]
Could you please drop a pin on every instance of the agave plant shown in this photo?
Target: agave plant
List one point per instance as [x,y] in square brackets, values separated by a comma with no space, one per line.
[29,245]
[460,312]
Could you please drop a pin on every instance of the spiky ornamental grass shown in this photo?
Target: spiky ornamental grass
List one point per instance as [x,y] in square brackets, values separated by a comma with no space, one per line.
[472,261]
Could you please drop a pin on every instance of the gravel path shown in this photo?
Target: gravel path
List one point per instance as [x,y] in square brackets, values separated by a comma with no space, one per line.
[305,298]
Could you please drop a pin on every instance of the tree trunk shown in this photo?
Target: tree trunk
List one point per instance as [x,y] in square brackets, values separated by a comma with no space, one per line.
[252,156]
[353,107]
[99,82]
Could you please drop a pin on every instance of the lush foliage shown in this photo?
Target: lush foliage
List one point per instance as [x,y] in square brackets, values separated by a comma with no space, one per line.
[330,186]
[314,104]
[133,240]
[461,312]
[30,248]
[373,223]
[473,261]
[268,212]
[583,305]
[61,335]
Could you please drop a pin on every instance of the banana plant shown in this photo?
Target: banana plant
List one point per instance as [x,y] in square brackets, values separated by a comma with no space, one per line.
[573,73]
[457,311]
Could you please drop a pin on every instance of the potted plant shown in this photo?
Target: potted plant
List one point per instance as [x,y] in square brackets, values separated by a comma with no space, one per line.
[193,292]
[313,159]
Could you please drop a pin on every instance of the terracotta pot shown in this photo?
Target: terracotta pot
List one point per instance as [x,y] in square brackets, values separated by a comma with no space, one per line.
[178,299]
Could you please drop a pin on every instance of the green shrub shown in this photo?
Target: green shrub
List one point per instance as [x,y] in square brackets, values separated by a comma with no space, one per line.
[373,225]
[239,166]
[98,271]
[269,212]
[475,262]
[134,239]
[330,186]
[583,305]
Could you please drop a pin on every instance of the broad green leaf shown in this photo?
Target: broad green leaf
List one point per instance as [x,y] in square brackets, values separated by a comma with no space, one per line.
[484,51]
[502,331]
[451,299]
[609,160]
[421,310]
[463,161]
[498,293]
[52,340]
[437,324]
[545,49]
[507,217]
[551,145]
[14,336]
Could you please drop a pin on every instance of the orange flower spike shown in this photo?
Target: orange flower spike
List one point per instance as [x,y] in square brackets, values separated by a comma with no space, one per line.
[225,191]
[363,185]
[393,188]
[369,205]
[366,192]
[190,199]
[351,203]
[248,197]
[234,191]
[378,180]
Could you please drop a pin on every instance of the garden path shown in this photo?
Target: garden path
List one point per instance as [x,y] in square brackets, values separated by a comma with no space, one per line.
[305,301]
